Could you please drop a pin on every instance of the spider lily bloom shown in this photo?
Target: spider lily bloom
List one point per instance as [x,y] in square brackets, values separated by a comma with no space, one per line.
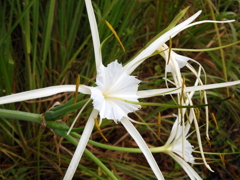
[180,149]
[174,63]
[115,91]
[177,144]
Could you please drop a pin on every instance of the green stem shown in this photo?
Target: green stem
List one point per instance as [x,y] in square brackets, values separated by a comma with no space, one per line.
[26,116]
[61,129]
[115,148]
[172,105]
[207,49]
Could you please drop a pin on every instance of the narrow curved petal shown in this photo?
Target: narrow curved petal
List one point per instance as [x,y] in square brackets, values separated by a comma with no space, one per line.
[179,59]
[95,34]
[187,168]
[132,65]
[81,146]
[43,92]
[173,133]
[205,21]
[143,146]
[165,91]
[177,147]
[209,21]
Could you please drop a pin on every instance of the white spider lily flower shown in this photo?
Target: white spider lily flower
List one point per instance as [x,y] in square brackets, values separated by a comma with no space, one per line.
[180,149]
[114,85]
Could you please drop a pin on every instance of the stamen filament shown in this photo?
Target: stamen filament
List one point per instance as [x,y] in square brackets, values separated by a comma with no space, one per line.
[99,129]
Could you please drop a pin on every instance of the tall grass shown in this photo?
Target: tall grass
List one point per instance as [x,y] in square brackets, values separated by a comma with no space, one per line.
[44,43]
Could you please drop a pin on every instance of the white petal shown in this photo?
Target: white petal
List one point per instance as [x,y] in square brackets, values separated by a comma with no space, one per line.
[81,146]
[43,92]
[143,146]
[184,150]
[180,60]
[165,91]
[173,133]
[208,21]
[114,79]
[174,64]
[95,34]
[132,65]
[187,168]
[204,21]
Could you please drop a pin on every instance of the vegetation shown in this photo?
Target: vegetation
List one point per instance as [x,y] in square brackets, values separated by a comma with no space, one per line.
[45,43]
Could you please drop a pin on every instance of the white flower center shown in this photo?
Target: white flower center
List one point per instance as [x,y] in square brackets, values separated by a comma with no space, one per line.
[114,85]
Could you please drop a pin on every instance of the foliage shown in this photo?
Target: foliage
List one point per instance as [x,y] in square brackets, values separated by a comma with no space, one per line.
[44,43]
